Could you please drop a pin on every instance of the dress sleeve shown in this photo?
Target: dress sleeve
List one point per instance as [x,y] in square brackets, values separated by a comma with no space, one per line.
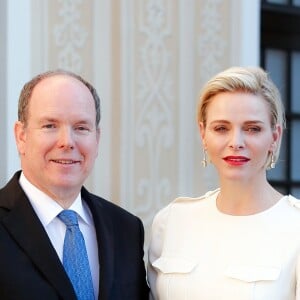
[156,246]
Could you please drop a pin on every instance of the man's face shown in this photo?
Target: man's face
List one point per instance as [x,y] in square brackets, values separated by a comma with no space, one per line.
[59,144]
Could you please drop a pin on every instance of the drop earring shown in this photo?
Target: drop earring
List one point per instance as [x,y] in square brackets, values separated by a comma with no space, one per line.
[204,160]
[272,163]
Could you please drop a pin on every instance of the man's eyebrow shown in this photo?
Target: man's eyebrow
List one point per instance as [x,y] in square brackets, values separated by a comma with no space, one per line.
[47,119]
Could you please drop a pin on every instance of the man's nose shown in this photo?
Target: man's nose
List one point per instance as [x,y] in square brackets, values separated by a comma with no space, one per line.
[66,139]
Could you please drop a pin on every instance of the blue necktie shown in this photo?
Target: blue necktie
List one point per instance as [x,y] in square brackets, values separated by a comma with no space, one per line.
[75,259]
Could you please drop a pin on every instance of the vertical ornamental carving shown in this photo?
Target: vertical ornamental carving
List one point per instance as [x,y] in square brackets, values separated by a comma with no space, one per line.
[212,43]
[154,124]
[70,35]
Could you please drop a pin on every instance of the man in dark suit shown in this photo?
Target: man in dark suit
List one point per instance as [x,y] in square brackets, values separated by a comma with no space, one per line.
[57,136]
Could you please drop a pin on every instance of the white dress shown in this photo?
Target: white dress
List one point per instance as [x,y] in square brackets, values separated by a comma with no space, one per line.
[197,252]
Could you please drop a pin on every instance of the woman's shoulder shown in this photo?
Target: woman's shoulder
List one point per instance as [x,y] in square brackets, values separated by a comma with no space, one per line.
[181,203]
[180,209]
[292,202]
[187,200]
[288,211]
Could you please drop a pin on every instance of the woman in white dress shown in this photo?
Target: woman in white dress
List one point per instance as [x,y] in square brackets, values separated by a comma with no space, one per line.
[242,240]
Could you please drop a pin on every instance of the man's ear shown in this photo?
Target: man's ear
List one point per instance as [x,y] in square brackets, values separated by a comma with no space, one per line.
[98,134]
[20,136]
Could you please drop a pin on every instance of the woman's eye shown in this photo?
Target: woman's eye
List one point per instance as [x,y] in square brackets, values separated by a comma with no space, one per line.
[220,129]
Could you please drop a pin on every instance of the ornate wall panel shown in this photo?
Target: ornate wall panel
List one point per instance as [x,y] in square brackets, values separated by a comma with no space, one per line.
[70,35]
[149,106]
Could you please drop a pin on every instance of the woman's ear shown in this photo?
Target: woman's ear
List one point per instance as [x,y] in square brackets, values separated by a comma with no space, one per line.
[277,132]
[202,133]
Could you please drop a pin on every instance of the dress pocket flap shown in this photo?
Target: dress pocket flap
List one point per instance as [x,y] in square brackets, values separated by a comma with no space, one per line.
[174,265]
[253,273]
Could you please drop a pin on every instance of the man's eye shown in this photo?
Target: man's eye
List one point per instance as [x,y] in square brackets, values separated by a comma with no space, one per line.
[253,129]
[49,126]
[82,128]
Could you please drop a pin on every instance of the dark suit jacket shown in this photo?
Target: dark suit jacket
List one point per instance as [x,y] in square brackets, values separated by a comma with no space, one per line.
[31,269]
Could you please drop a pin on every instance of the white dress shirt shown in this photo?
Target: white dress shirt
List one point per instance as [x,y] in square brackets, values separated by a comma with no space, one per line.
[197,252]
[47,210]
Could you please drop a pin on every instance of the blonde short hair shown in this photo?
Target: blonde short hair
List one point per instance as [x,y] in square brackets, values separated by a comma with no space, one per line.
[251,80]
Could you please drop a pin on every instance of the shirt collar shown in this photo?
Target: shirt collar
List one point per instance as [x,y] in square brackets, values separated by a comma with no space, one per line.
[47,209]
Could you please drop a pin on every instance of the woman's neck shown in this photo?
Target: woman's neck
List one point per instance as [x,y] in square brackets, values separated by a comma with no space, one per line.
[246,199]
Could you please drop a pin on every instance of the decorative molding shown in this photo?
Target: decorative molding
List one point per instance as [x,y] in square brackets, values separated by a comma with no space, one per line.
[70,35]
[147,115]
[211,42]
[154,130]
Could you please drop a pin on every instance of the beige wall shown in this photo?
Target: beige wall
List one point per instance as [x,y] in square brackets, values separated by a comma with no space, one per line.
[148,59]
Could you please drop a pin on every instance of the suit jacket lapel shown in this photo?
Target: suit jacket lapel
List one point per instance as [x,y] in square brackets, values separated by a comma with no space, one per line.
[105,239]
[27,230]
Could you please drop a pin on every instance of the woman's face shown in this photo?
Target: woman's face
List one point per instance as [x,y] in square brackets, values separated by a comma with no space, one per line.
[238,135]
